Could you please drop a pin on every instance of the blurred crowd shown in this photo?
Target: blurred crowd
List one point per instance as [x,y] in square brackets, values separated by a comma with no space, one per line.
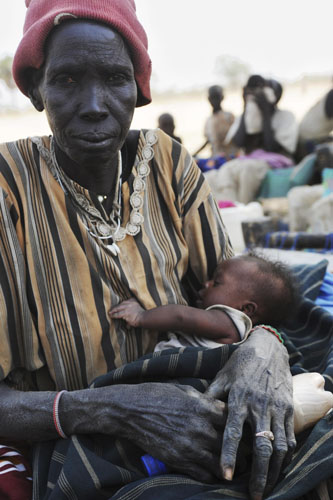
[266,153]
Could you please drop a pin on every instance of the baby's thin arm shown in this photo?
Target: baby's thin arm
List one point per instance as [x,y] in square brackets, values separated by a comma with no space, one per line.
[213,324]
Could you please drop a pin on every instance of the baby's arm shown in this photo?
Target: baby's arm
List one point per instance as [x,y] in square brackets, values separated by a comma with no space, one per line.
[213,324]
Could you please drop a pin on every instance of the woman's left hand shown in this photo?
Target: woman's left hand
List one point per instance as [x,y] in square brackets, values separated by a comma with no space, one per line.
[258,385]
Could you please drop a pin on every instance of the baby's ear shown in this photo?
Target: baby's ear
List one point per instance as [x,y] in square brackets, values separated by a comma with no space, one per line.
[249,308]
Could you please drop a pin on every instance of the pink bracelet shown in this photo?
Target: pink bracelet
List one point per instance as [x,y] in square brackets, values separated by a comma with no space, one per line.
[56,415]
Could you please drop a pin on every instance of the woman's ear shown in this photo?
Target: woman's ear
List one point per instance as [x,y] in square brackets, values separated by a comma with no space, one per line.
[33,78]
[249,308]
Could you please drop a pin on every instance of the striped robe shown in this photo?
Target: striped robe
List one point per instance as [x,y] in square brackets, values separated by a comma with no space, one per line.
[58,282]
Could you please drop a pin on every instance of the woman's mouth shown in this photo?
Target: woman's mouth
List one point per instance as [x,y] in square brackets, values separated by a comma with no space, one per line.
[94,138]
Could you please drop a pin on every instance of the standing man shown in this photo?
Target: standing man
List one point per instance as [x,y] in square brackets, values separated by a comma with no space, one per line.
[218,124]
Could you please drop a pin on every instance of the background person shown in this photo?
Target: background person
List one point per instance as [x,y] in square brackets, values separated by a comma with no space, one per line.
[268,138]
[316,126]
[166,123]
[215,131]
[218,124]
[86,222]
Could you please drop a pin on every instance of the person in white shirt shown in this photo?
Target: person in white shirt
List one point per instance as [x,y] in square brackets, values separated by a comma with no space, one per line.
[268,137]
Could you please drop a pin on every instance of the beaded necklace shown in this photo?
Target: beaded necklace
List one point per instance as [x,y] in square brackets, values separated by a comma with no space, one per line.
[107,227]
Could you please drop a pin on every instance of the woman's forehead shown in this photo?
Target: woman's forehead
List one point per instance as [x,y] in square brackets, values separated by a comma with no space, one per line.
[74,34]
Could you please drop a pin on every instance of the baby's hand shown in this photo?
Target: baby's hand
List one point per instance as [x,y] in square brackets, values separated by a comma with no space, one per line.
[129,310]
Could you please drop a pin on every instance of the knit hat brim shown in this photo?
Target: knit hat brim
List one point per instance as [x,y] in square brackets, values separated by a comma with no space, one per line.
[43,15]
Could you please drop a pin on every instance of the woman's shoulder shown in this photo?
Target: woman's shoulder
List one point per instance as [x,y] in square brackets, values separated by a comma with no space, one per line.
[17,159]
[7,149]
[156,144]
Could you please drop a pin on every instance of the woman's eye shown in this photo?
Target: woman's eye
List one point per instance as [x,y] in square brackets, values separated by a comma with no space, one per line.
[65,79]
[117,78]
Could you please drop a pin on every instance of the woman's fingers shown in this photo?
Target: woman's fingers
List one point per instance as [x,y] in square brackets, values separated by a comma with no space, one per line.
[262,453]
[270,456]
[216,409]
[232,435]
[280,450]
[290,437]
[219,388]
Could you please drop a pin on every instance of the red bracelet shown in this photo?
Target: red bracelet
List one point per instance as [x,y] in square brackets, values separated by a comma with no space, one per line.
[56,415]
[271,330]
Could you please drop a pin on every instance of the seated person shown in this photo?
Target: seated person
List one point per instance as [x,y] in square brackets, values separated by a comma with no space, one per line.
[245,291]
[268,137]
[216,128]
[310,206]
[67,257]
[316,126]
[166,123]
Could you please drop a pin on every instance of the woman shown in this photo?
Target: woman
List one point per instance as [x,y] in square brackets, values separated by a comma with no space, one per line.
[97,214]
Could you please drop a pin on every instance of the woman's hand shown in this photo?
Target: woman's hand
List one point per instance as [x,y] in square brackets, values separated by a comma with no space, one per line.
[258,384]
[181,427]
[128,310]
[176,424]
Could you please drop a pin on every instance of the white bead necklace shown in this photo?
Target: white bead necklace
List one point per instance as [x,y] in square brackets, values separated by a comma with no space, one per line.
[98,226]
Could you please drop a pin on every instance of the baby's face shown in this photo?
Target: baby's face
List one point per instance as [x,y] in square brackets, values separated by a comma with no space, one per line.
[227,285]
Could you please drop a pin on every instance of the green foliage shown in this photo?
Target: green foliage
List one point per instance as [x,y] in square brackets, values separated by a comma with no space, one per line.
[6,71]
[232,71]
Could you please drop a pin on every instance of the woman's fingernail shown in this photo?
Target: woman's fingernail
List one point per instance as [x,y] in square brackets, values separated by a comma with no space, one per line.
[227,474]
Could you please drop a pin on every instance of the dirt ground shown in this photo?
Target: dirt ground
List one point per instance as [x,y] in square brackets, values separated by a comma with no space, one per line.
[189,109]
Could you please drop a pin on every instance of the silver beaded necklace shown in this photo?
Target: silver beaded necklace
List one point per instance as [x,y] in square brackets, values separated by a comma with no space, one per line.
[107,227]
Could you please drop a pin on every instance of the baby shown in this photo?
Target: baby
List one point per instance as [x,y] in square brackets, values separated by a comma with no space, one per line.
[245,291]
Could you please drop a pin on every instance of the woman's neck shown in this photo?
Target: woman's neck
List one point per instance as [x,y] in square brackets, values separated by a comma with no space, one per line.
[98,179]
[101,180]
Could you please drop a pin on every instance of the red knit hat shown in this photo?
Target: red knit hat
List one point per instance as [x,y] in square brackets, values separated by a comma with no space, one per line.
[43,15]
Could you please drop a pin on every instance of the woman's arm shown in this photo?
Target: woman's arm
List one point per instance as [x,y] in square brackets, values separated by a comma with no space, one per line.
[214,324]
[257,384]
[175,424]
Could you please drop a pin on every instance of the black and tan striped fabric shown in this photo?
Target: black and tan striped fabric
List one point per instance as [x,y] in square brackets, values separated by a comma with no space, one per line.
[58,282]
[102,467]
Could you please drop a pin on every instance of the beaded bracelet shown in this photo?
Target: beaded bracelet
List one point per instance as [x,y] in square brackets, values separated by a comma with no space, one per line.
[271,330]
[56,420]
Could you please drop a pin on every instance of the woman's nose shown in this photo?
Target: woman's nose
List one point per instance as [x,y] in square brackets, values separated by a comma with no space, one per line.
[93,105]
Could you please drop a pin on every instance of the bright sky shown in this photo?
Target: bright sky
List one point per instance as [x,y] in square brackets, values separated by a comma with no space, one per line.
[285,39]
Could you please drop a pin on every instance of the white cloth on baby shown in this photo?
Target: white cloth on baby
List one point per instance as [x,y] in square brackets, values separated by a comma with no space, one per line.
[241,321]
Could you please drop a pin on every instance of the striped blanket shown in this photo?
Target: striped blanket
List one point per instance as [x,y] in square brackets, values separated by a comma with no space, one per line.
[99,467]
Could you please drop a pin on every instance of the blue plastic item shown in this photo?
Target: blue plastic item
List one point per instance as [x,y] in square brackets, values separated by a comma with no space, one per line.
[153,466]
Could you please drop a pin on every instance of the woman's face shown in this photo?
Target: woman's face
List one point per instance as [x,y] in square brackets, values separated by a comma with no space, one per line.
[88,90]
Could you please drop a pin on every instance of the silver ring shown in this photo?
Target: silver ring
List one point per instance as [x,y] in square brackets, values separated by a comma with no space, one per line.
[266,434]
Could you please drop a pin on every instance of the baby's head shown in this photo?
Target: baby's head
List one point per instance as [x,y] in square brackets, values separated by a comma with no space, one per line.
[263,289]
